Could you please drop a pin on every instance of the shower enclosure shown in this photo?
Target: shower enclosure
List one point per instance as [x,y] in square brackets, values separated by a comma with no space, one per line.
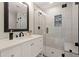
[59,27]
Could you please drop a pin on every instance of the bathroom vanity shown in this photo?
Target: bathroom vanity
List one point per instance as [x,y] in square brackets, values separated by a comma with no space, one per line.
[27,46]
[16,18]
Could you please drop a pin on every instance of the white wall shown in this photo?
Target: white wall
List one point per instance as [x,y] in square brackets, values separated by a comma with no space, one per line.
[1,18]
[40,20]
[5,35]
[31,17]
[2,34]
[54,36]
[70,43]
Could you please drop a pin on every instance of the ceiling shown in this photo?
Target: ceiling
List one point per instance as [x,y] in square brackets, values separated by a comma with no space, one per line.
[42,5]
[46,5]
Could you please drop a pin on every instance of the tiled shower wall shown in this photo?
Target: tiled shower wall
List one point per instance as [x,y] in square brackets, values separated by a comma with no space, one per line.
[65,36]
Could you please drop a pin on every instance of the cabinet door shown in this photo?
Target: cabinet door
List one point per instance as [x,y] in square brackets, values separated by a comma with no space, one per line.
[11,52]
[39,45]
[26,49]
[36,47]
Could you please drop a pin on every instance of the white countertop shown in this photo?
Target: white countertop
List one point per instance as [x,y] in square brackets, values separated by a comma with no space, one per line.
[6,43]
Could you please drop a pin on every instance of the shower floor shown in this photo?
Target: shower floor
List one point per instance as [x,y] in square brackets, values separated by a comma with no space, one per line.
[52,52]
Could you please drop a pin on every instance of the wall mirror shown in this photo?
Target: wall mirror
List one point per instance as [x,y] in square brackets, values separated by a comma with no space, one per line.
[16,16]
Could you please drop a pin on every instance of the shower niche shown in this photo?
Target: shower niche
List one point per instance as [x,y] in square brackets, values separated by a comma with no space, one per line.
[57,20]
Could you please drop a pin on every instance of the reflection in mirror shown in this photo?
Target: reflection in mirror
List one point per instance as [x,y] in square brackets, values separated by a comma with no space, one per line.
[17,15]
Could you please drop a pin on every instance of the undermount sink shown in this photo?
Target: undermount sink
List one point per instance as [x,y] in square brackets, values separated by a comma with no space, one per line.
[25,37]
[29,36]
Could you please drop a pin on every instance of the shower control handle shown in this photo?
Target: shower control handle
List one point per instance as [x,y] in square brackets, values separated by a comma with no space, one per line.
[47,30]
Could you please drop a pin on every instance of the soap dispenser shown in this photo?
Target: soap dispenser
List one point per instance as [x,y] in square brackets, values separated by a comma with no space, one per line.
[11,35]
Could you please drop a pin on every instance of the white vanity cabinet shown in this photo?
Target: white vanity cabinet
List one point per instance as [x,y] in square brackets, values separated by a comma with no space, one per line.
[36,46]
[11,52]
[27,48]
[32,48]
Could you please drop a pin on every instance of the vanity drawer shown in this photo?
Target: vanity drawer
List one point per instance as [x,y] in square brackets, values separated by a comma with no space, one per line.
[12,52]
[26,49]
[36,46]
[40,43]
[32,48]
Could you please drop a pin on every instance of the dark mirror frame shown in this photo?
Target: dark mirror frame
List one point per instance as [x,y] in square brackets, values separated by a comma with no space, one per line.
[6,18]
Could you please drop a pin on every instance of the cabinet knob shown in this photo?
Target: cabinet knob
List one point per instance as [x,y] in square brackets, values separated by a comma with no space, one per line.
[32,44]
[12,55]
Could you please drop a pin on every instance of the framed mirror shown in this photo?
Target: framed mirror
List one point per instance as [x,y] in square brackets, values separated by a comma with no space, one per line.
[16,16]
